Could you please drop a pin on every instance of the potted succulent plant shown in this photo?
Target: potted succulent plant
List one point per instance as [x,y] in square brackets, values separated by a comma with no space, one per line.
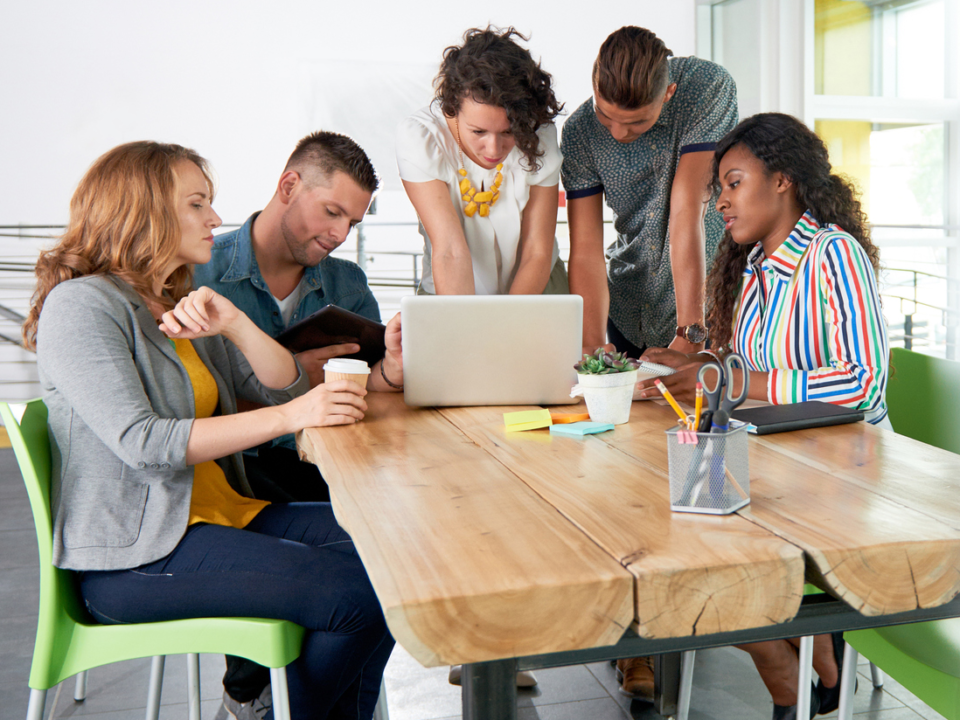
[606,382]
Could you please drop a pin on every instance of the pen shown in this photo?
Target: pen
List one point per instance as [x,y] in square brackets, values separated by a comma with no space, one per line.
[673,403]
[698,407]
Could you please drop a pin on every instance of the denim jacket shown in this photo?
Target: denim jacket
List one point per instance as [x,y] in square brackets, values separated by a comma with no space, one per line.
[233,272]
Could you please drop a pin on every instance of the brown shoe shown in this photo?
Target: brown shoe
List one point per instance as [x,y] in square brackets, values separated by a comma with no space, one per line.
[636,677]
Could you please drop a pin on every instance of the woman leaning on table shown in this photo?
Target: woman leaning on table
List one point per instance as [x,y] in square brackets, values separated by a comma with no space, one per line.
[481,165]
[141,378]
[793,289]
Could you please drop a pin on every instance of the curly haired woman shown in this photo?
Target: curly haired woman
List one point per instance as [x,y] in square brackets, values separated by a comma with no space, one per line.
[793,289]
[481,165]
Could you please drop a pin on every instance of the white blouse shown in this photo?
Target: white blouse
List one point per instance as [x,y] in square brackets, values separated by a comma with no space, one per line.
[427,150]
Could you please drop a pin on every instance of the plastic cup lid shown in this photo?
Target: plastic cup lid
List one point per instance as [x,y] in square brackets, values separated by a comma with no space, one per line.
[346,366]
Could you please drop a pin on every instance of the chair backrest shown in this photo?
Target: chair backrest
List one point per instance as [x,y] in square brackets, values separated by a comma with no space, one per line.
[60,606]
[923,398]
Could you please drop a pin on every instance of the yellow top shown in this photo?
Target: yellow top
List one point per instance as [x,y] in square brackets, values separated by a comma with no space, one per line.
[213,500]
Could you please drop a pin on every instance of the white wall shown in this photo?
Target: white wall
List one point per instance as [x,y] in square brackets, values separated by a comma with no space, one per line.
[242,81]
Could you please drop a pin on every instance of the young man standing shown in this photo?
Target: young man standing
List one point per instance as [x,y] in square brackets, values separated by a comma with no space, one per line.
[645,142]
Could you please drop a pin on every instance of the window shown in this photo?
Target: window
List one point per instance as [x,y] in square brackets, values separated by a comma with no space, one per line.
[879,81]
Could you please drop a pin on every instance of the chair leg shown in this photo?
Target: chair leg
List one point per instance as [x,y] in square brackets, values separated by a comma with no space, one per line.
[876,674]
[281,696]
[156,686]
[686,684]
[848,678]
[805,674]
[80,689]
[38,699]
[380,712]
[193,685]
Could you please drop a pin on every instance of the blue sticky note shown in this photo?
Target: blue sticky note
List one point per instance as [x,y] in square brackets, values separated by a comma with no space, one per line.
[579,429]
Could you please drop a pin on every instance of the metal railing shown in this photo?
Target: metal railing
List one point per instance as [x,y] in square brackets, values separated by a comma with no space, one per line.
[911,332]
[914,331]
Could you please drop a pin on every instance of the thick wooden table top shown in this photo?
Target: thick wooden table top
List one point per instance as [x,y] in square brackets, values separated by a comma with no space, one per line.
[483,544]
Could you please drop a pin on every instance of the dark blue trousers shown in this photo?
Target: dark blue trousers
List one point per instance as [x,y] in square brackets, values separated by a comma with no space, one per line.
[292,562]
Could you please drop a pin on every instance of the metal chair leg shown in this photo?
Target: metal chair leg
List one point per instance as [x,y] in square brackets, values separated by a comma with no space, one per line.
[80,689]
[805,674]
[848,680]
[156,686]
[281,696]
[38,699]
[876,674]
[686,684]
[193,685]
[381,712]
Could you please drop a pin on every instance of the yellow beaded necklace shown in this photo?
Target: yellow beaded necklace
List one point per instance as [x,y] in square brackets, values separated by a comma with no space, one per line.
[473,200]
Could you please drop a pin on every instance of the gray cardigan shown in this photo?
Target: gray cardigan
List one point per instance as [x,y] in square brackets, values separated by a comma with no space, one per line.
[120,411]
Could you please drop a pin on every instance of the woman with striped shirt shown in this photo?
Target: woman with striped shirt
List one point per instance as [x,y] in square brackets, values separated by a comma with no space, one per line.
[793,289]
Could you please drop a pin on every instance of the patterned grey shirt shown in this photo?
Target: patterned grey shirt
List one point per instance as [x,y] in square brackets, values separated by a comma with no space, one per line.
[636,179]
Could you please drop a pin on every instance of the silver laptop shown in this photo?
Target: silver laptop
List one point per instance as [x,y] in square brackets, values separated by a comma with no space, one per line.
[490,349]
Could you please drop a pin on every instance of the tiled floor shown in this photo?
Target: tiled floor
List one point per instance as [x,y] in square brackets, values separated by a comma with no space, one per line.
[725,684]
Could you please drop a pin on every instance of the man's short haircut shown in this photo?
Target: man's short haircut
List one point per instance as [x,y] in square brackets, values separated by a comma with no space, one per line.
[631,70]
[321,154]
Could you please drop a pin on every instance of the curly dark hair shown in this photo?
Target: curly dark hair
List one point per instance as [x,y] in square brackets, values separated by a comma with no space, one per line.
[783,144]
[491,68]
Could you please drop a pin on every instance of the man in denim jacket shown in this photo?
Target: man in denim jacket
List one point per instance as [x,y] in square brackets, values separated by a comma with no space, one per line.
[277,269]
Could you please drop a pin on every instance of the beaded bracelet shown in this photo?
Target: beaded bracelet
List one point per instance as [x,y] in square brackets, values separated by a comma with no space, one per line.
[384,376]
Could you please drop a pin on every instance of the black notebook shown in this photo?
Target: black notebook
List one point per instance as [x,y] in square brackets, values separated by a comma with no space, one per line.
[796,416]
[332,326]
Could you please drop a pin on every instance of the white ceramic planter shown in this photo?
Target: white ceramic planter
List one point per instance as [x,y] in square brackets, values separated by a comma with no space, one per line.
[609,397]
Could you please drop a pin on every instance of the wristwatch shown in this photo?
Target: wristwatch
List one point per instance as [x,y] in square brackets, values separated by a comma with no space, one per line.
[694,333]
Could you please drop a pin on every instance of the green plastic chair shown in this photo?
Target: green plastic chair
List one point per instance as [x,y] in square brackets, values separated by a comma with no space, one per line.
[922,397]
[69,642]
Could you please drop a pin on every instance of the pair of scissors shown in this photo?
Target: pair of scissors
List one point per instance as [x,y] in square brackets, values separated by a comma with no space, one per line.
[721,402]
[717,382]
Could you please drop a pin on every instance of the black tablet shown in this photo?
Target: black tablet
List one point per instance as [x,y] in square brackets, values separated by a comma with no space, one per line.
[333,326]
[797,416]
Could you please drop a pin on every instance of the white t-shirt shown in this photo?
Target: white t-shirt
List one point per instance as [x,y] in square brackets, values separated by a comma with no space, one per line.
[427,150]
[289,303]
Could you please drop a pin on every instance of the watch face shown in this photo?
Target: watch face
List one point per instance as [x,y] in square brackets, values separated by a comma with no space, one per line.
[695,333]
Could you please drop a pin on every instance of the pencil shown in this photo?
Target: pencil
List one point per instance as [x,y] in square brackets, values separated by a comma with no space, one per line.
[673,403]
[698,407]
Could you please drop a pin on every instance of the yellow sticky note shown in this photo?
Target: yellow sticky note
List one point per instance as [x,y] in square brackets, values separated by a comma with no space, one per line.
[527,420]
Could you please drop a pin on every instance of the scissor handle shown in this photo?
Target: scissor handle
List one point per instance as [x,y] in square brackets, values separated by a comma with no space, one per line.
[712,388]
[731,360]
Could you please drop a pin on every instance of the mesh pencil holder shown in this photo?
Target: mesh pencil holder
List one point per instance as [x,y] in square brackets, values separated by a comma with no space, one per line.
[710,476]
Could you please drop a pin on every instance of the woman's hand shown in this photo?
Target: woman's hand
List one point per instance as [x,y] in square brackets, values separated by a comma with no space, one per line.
[682,384]
[335,403]
[202,313]
[665,356]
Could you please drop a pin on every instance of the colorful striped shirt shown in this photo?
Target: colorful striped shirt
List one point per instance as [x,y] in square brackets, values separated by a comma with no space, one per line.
[810,316]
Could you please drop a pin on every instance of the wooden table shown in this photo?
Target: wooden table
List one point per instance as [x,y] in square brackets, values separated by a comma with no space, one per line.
[485,547]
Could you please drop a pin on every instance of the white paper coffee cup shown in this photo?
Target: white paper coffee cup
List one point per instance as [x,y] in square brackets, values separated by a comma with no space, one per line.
[345,369]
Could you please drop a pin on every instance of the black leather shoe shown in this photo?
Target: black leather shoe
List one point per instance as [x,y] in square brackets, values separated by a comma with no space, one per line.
[830,697]
[789,712]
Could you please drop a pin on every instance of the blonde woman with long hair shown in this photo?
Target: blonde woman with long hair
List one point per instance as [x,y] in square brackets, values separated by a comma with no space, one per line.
[141,377]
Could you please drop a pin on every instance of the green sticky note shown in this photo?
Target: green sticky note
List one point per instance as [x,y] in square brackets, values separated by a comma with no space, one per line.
[579,429]
[527,420]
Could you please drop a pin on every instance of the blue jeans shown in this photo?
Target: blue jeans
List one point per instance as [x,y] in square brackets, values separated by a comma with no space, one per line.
[292,562]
